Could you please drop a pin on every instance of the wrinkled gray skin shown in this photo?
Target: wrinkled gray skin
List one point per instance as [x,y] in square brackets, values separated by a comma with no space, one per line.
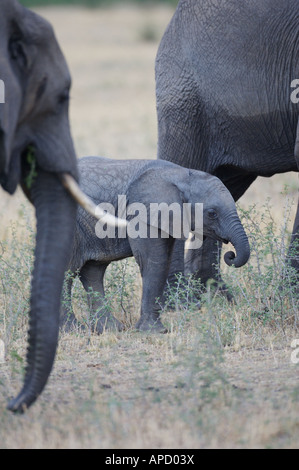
[145,181]
[35,113]
[223,85]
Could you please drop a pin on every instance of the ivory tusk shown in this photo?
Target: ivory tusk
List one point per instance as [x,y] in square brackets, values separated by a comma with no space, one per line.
[76,192]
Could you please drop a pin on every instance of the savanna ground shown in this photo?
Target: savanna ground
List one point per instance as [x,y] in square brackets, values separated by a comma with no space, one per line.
[223,376]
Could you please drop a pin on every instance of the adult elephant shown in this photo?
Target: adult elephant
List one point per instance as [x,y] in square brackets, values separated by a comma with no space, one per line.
[36,150]
[224,71]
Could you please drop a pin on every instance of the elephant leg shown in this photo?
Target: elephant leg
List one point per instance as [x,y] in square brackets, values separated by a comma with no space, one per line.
[204,263]
[177,262]
[176,268]
[153,257]
[177,281]
[293,253]
[92,278]
[67,317]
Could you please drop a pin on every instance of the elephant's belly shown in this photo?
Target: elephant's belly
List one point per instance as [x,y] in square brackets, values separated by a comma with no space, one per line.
[113,249]
[263,144]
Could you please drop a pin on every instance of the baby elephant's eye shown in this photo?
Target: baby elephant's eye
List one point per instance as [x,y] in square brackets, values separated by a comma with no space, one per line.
[64,96]
[212,214]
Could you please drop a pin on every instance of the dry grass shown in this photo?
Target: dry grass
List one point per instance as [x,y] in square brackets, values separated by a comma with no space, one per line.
[132,390]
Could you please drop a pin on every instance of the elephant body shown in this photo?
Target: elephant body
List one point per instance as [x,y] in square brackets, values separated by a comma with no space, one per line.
[146,182]
[224,72]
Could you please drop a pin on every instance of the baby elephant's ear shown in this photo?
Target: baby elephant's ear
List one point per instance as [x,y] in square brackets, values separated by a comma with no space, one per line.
[161,202]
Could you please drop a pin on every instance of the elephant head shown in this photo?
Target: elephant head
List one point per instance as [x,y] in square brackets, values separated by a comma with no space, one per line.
[220,218]
[176,186]
[36,150]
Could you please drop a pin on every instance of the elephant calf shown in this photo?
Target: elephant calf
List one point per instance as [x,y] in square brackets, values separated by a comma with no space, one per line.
[154,190]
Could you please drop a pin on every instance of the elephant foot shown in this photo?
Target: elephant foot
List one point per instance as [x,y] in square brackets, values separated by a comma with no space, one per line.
[69,323]
[217,286]
[72,324]
[108,323]
[180,297]
[222,289]
[151,326]
[175,305]
[104,323]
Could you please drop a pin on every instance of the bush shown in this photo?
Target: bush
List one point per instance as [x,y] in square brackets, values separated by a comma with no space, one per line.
[16,261]
[265,289]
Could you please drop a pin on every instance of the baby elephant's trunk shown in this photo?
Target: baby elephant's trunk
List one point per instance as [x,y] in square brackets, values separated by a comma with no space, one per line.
[239,240]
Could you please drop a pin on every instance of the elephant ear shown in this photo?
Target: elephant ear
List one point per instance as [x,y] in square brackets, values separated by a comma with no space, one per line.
[157,199]
[11,96]
[9,111]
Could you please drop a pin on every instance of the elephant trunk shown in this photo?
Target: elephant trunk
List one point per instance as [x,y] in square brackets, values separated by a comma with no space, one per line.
[56,215]
[239,240]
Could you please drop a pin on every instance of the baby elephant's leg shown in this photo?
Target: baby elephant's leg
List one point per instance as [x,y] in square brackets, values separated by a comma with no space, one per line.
[153,257]
[67,318]
[92,278]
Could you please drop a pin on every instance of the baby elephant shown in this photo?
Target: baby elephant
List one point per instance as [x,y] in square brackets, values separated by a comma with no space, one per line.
[161,202]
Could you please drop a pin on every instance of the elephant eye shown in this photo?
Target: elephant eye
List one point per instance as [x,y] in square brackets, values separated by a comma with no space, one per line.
[64,97]
[212,214]
[17,52]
